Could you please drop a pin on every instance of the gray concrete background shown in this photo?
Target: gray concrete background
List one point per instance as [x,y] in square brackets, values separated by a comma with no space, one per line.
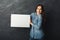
[8,7]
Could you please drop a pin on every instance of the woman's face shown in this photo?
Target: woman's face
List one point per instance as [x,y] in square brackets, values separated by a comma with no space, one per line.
[39,9]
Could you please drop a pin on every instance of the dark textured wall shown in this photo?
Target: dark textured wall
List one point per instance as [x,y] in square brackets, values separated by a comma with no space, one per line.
[8,7]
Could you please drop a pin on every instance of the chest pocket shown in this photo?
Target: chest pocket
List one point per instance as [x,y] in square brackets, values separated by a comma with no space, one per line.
[35,20]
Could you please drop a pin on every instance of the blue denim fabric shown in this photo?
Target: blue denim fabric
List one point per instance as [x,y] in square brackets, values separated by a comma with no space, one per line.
[35,31]
[36,39]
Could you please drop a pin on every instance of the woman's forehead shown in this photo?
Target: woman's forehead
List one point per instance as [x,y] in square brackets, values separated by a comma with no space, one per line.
[39,7]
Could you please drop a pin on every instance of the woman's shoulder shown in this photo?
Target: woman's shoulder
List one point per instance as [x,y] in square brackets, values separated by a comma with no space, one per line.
[33,13]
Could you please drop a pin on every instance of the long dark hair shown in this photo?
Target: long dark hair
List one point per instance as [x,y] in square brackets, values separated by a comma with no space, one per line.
[41,7]
[43,16]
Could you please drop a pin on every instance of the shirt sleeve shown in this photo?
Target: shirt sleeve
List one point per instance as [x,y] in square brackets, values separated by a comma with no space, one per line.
[31,17]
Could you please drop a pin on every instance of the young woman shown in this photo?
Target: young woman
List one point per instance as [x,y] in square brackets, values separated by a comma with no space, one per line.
[36,32]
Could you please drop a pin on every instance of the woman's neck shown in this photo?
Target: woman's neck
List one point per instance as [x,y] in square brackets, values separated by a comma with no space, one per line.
[38,13]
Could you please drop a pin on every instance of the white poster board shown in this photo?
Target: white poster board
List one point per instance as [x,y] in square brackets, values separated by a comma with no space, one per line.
[20,20]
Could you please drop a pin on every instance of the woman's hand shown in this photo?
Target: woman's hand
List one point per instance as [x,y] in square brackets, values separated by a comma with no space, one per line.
[31,22]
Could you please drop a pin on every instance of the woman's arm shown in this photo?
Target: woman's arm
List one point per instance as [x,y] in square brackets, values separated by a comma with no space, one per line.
[31,22]
[38,23]
[31,18]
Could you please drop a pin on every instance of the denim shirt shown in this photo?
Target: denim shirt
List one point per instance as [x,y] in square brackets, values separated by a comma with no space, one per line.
[36,31]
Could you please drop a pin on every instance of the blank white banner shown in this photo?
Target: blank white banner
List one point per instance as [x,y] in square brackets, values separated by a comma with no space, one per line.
[20,20]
